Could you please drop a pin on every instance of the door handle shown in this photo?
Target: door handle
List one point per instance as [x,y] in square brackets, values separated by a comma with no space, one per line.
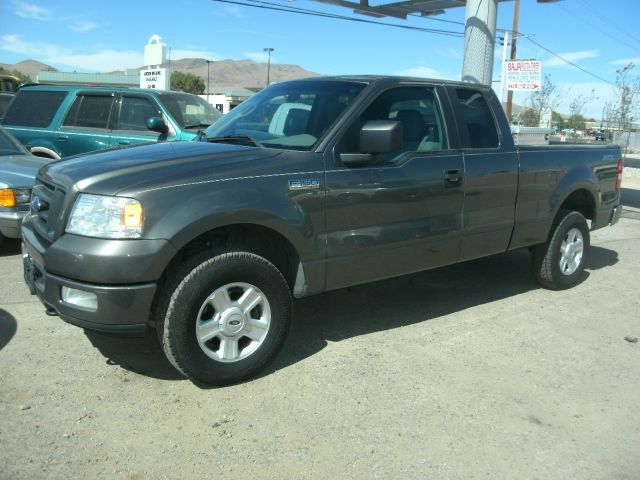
[63,138]
[453,177]
[124,142]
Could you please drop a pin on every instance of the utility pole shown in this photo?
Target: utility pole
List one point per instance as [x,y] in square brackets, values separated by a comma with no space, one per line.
[208,63]
[268,50]
[514,33]
[503,69]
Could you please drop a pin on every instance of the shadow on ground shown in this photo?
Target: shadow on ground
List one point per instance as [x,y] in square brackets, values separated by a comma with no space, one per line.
[8,328]
[630,197]
[140,355]
[9,247]
[375,307]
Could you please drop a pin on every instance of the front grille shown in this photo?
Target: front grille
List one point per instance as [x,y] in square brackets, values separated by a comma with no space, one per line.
[47,202]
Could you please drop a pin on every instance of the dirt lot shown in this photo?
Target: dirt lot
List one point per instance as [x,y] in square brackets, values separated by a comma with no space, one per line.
[471,371]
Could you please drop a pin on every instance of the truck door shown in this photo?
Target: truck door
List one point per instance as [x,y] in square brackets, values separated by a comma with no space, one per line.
[403,212]
[87,125]
[491,173]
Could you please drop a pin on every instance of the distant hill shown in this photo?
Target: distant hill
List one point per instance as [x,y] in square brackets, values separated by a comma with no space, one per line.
[227,74]
[223,75]
[29,67]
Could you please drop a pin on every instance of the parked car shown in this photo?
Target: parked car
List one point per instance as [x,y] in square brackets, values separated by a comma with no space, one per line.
[373,178]
[17,173]
[8,87]
[600,136]
[58,121]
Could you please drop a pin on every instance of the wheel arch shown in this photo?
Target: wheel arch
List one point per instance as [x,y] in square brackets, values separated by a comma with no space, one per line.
[581,200]
[44,152]
[258,239]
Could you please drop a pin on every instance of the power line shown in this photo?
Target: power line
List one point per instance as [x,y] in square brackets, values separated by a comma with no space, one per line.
[316,13]
[303,11]
[609,20]
[570,62]
[596,27]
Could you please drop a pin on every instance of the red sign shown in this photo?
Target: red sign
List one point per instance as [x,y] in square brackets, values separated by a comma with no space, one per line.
[523,74]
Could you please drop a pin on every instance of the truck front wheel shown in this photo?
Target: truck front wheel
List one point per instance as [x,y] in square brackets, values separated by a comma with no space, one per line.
[560,262]
[227,317]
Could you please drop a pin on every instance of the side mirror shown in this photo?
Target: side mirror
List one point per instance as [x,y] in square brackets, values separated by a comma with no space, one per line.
[381,136]
[157,124]
[376,136]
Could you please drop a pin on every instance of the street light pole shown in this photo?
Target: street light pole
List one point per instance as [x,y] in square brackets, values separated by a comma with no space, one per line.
[208,63]
[268,50]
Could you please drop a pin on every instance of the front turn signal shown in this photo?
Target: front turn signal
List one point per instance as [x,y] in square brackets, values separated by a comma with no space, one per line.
[7,197]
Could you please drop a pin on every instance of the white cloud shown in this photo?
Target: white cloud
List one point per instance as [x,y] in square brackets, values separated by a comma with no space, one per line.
[83,26]
[103,60]
[177,54]
[450,53]
[260,57]
[597,93]
[233,11]
[626,61]
[424,72]
[574,57]
[30,10]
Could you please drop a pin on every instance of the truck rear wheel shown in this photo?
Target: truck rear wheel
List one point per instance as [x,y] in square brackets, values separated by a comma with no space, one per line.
[559,263]
[227,317]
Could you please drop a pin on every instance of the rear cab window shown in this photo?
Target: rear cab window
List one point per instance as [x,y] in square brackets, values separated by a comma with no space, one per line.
[34,108]
[478,121]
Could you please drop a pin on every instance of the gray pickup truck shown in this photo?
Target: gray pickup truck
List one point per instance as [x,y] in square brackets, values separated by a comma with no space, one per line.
[310,185]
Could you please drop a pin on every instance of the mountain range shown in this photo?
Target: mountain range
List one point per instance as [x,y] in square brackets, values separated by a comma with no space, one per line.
[224,74]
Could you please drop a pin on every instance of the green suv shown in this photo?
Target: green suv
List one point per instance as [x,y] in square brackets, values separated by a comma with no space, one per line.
[57,121]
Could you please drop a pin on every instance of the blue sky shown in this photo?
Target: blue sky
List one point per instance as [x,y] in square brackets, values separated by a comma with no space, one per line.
[76,35]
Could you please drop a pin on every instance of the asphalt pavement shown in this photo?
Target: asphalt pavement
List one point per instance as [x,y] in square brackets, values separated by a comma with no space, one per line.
[469,371]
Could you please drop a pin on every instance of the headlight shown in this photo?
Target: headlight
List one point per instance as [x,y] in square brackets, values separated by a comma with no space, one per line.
[12,197]
[106,217]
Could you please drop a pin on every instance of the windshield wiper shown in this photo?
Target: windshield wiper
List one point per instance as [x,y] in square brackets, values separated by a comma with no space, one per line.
[237,139]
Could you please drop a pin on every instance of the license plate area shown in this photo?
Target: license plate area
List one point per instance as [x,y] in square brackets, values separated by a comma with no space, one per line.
[33,276]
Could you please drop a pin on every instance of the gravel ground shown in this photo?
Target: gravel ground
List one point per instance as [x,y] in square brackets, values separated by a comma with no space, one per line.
[471,371]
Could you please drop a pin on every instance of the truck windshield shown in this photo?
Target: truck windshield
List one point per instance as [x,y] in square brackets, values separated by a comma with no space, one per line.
[190,111]
[291,115]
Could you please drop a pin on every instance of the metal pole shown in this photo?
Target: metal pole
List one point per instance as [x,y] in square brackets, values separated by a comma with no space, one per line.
[503,70]
[268,50]
[208,89]
[479,39]
[516,15]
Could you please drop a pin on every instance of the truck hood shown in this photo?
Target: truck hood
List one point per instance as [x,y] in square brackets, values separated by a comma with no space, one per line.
[19,171]
[135,169]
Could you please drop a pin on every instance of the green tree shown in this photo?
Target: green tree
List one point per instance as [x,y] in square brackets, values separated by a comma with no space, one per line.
[542,102]
[577,122]
[21,76]
[187,82]
[625,108]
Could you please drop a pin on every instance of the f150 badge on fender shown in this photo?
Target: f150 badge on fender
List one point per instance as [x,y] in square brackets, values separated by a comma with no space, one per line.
[306,184]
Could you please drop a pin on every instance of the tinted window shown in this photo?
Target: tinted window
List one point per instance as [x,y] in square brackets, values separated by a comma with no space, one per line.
[33,109]
[478,119]
[9,146]
[416,108]
[190,111]
[90,111]
[134,113]
[291,115]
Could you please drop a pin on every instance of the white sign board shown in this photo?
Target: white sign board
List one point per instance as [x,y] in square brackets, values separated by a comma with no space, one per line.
[155,78]
[523,75]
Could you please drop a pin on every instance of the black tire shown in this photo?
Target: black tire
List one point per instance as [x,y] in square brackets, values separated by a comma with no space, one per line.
[248,317]
[560,262]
